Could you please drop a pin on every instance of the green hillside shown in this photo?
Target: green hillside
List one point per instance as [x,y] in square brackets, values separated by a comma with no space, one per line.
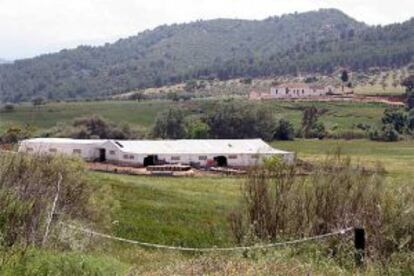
[318,41]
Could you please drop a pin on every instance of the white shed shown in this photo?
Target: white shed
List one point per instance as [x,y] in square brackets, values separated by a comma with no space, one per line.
[203,153]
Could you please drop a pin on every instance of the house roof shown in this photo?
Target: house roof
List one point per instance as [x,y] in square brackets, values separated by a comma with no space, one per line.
[65,141]
[202,146]
[293,85]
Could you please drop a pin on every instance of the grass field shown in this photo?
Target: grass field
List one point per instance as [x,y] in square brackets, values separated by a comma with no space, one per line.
[138,114]
[397,158]
[180,211]
[193,212]
[338,116]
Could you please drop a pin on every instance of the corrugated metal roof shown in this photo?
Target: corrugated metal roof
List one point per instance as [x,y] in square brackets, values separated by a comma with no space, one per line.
[292,85]
[65,141]
[202,146]
[211,146]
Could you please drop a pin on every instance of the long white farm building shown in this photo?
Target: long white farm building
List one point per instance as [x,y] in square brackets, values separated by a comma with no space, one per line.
[203,153]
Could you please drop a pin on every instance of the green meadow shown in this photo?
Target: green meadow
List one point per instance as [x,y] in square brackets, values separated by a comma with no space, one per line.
[193,211]
[342,116]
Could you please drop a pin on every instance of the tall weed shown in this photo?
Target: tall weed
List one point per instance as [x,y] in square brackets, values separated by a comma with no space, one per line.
[281,203]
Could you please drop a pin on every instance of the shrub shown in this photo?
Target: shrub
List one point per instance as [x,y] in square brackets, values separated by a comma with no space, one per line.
[284,130]
[38,101]
[15,134]
[410,120]
[93,127]
[28,186]
[232,120]
[374,134]
[279,204]
[246,81]
[348,134]
[396,118]
[197,129]
[137,96]
[8,107]
[318,131]
[170,124]
[311,128]
[390,134]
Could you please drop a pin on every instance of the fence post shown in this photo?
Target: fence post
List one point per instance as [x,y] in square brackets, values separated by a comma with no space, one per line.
[359,243]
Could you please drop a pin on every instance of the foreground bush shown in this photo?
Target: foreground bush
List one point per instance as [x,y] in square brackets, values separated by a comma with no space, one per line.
[29,186]
[280,204]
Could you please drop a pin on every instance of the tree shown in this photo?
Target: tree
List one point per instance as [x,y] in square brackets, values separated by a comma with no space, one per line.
[8,107]
[395,118]
[198,129]
[409,85]
[344,78]
[38,101]
[240,121]
[395,122]
[309,119]
[138,96]
[173,96]
[15,134]
[92,127]
[191,86]
[170,125]
[410,120]
[284,130]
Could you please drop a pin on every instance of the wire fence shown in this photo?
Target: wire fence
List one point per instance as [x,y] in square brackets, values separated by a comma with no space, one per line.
[210,249]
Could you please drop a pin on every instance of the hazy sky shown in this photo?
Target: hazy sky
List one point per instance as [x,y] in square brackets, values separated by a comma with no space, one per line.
[32,27]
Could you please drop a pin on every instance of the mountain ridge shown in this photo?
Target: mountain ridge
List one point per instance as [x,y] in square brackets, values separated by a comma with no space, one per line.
[317,41]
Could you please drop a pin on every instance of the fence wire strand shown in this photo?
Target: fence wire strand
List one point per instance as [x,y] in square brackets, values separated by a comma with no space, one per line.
[209,249]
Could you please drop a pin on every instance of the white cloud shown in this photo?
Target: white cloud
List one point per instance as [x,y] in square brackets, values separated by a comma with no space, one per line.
[31,27]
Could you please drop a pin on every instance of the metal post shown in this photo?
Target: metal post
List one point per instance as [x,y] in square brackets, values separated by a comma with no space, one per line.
[359,242]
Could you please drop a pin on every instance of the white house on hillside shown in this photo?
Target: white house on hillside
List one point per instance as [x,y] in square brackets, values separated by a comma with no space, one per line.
[299,90]
[203,153]
[294,91]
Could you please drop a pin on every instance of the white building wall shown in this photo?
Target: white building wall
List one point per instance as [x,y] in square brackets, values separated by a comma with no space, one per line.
[295,92]
[115,154]
[84,151]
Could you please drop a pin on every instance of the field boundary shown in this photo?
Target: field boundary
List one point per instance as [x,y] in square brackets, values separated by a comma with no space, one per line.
[210,249]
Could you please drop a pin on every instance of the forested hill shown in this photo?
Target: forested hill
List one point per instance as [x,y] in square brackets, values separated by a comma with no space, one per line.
[318,41]
[3,61]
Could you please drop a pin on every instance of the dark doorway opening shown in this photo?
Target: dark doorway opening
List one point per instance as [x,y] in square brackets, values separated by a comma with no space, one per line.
[150,160]
[102,155]
[221,161]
